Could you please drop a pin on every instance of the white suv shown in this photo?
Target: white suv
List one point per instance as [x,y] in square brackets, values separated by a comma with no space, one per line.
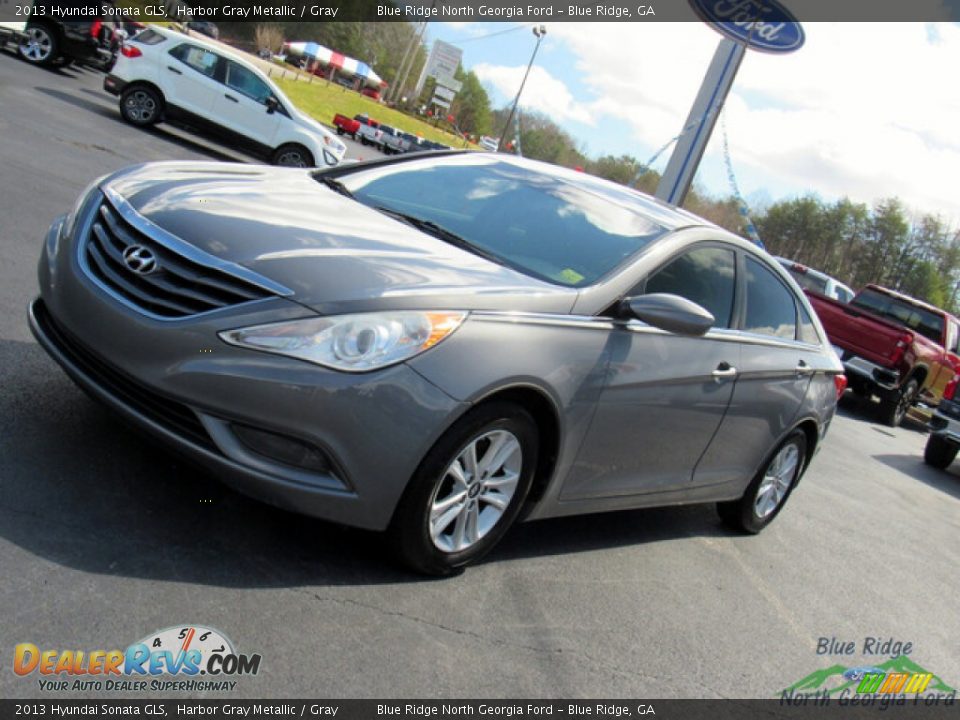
[161,74]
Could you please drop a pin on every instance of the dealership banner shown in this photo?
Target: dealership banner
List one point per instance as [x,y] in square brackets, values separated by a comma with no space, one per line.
[484,709]
[760,15]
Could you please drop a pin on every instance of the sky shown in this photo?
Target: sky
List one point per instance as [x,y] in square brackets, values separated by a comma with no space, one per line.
[862,110]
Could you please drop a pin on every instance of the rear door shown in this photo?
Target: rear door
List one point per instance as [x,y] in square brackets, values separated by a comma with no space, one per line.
[241,106]
[779,348]
[188,78]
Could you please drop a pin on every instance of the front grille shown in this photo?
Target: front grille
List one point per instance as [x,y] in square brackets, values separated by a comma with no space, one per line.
[179,287]
[172,415]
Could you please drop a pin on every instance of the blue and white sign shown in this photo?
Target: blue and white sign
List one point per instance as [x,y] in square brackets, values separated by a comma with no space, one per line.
[759,24]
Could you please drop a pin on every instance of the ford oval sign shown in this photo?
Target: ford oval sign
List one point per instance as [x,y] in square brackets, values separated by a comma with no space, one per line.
[760,24]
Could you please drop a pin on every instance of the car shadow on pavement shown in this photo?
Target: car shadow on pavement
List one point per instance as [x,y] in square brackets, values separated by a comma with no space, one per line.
[946,481]
[864,409]
[82,489]
[112,114]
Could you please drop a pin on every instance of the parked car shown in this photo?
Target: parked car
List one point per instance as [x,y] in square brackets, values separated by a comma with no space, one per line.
[347,125]
[48,41]
[489,143]
[892,346]
[369,132]
[413,143]
[392,141]
[161,74]
[438,345]
[815,281]
[204,28]
[944,438]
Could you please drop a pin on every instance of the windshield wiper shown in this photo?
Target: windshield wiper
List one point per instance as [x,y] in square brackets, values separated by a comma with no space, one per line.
[441,233]
[335,185]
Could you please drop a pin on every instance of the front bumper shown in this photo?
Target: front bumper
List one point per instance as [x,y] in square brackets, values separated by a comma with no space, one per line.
[177,381]
[946,421]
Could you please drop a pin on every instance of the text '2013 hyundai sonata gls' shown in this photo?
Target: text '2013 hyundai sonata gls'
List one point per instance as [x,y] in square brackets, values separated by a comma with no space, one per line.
[437,346]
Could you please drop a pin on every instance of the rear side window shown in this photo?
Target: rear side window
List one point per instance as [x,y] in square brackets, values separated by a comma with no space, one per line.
[807,280]
[706,276]
[246,82]
[203,61]
[808,332]
[771,309]
[149,37]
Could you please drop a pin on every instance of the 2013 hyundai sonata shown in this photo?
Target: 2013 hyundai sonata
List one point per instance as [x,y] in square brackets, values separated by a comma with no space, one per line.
[437,346]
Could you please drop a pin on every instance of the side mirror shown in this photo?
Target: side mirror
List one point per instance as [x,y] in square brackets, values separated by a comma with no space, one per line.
[670,312]
[272,105]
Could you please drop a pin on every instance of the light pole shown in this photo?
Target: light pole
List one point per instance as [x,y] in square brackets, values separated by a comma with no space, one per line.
[539,31]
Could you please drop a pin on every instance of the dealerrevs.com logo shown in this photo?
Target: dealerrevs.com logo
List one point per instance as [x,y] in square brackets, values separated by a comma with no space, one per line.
[186,658]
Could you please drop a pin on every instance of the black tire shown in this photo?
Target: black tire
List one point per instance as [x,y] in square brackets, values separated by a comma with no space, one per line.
[939,452]
[894,409]
[40,47]
[363,140]
[743,514]
[141,105]
[339,130]
[410,531]
[293,155]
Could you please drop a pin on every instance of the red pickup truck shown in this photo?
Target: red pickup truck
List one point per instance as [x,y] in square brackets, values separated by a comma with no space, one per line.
[345,125]
[893,346]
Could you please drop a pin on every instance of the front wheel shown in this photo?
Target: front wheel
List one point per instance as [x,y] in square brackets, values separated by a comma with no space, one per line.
[939,452]
[468,490]
[293,156]
[893,410]
[141,106]
[768,493]
[39,47]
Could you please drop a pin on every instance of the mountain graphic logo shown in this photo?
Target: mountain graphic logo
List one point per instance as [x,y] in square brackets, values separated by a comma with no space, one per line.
[897,675]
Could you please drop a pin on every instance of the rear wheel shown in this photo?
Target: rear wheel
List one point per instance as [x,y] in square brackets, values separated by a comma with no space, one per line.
[768,493]
[894,409]
[468,490]
[141,105]
[939,452]
[40,45]
[292,155]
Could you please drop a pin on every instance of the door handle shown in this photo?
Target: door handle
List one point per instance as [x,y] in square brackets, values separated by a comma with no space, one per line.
[724,371]
[802,369]
[174,70]
[230,97]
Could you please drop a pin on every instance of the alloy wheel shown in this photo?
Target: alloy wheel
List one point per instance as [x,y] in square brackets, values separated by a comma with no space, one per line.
[475,491]
[777,480]
[291,158]
[141,106]
[38,46]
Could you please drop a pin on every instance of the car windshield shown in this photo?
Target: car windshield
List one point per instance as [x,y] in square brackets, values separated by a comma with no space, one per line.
[569,229]
[929,324]
[808,280]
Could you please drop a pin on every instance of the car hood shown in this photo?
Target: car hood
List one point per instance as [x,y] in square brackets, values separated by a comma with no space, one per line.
[334,254]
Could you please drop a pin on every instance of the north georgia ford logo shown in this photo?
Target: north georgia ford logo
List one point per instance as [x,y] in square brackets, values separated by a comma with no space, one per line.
[181,650]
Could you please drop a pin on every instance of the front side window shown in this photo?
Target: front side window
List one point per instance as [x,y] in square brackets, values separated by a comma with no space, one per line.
[706,276]
[771,308]
[203,61]
[246,82]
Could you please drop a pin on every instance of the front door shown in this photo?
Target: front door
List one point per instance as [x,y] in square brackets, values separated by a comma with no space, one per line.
[666,394]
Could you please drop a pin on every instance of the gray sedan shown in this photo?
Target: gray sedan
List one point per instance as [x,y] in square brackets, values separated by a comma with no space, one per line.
[438,346]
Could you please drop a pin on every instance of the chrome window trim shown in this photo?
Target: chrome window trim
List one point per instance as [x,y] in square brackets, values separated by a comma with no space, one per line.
[635,326]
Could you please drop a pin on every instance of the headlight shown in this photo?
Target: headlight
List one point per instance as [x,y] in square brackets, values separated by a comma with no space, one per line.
[352,343]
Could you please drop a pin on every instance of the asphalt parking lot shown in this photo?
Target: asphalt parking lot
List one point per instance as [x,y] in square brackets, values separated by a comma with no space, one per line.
[104,537]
